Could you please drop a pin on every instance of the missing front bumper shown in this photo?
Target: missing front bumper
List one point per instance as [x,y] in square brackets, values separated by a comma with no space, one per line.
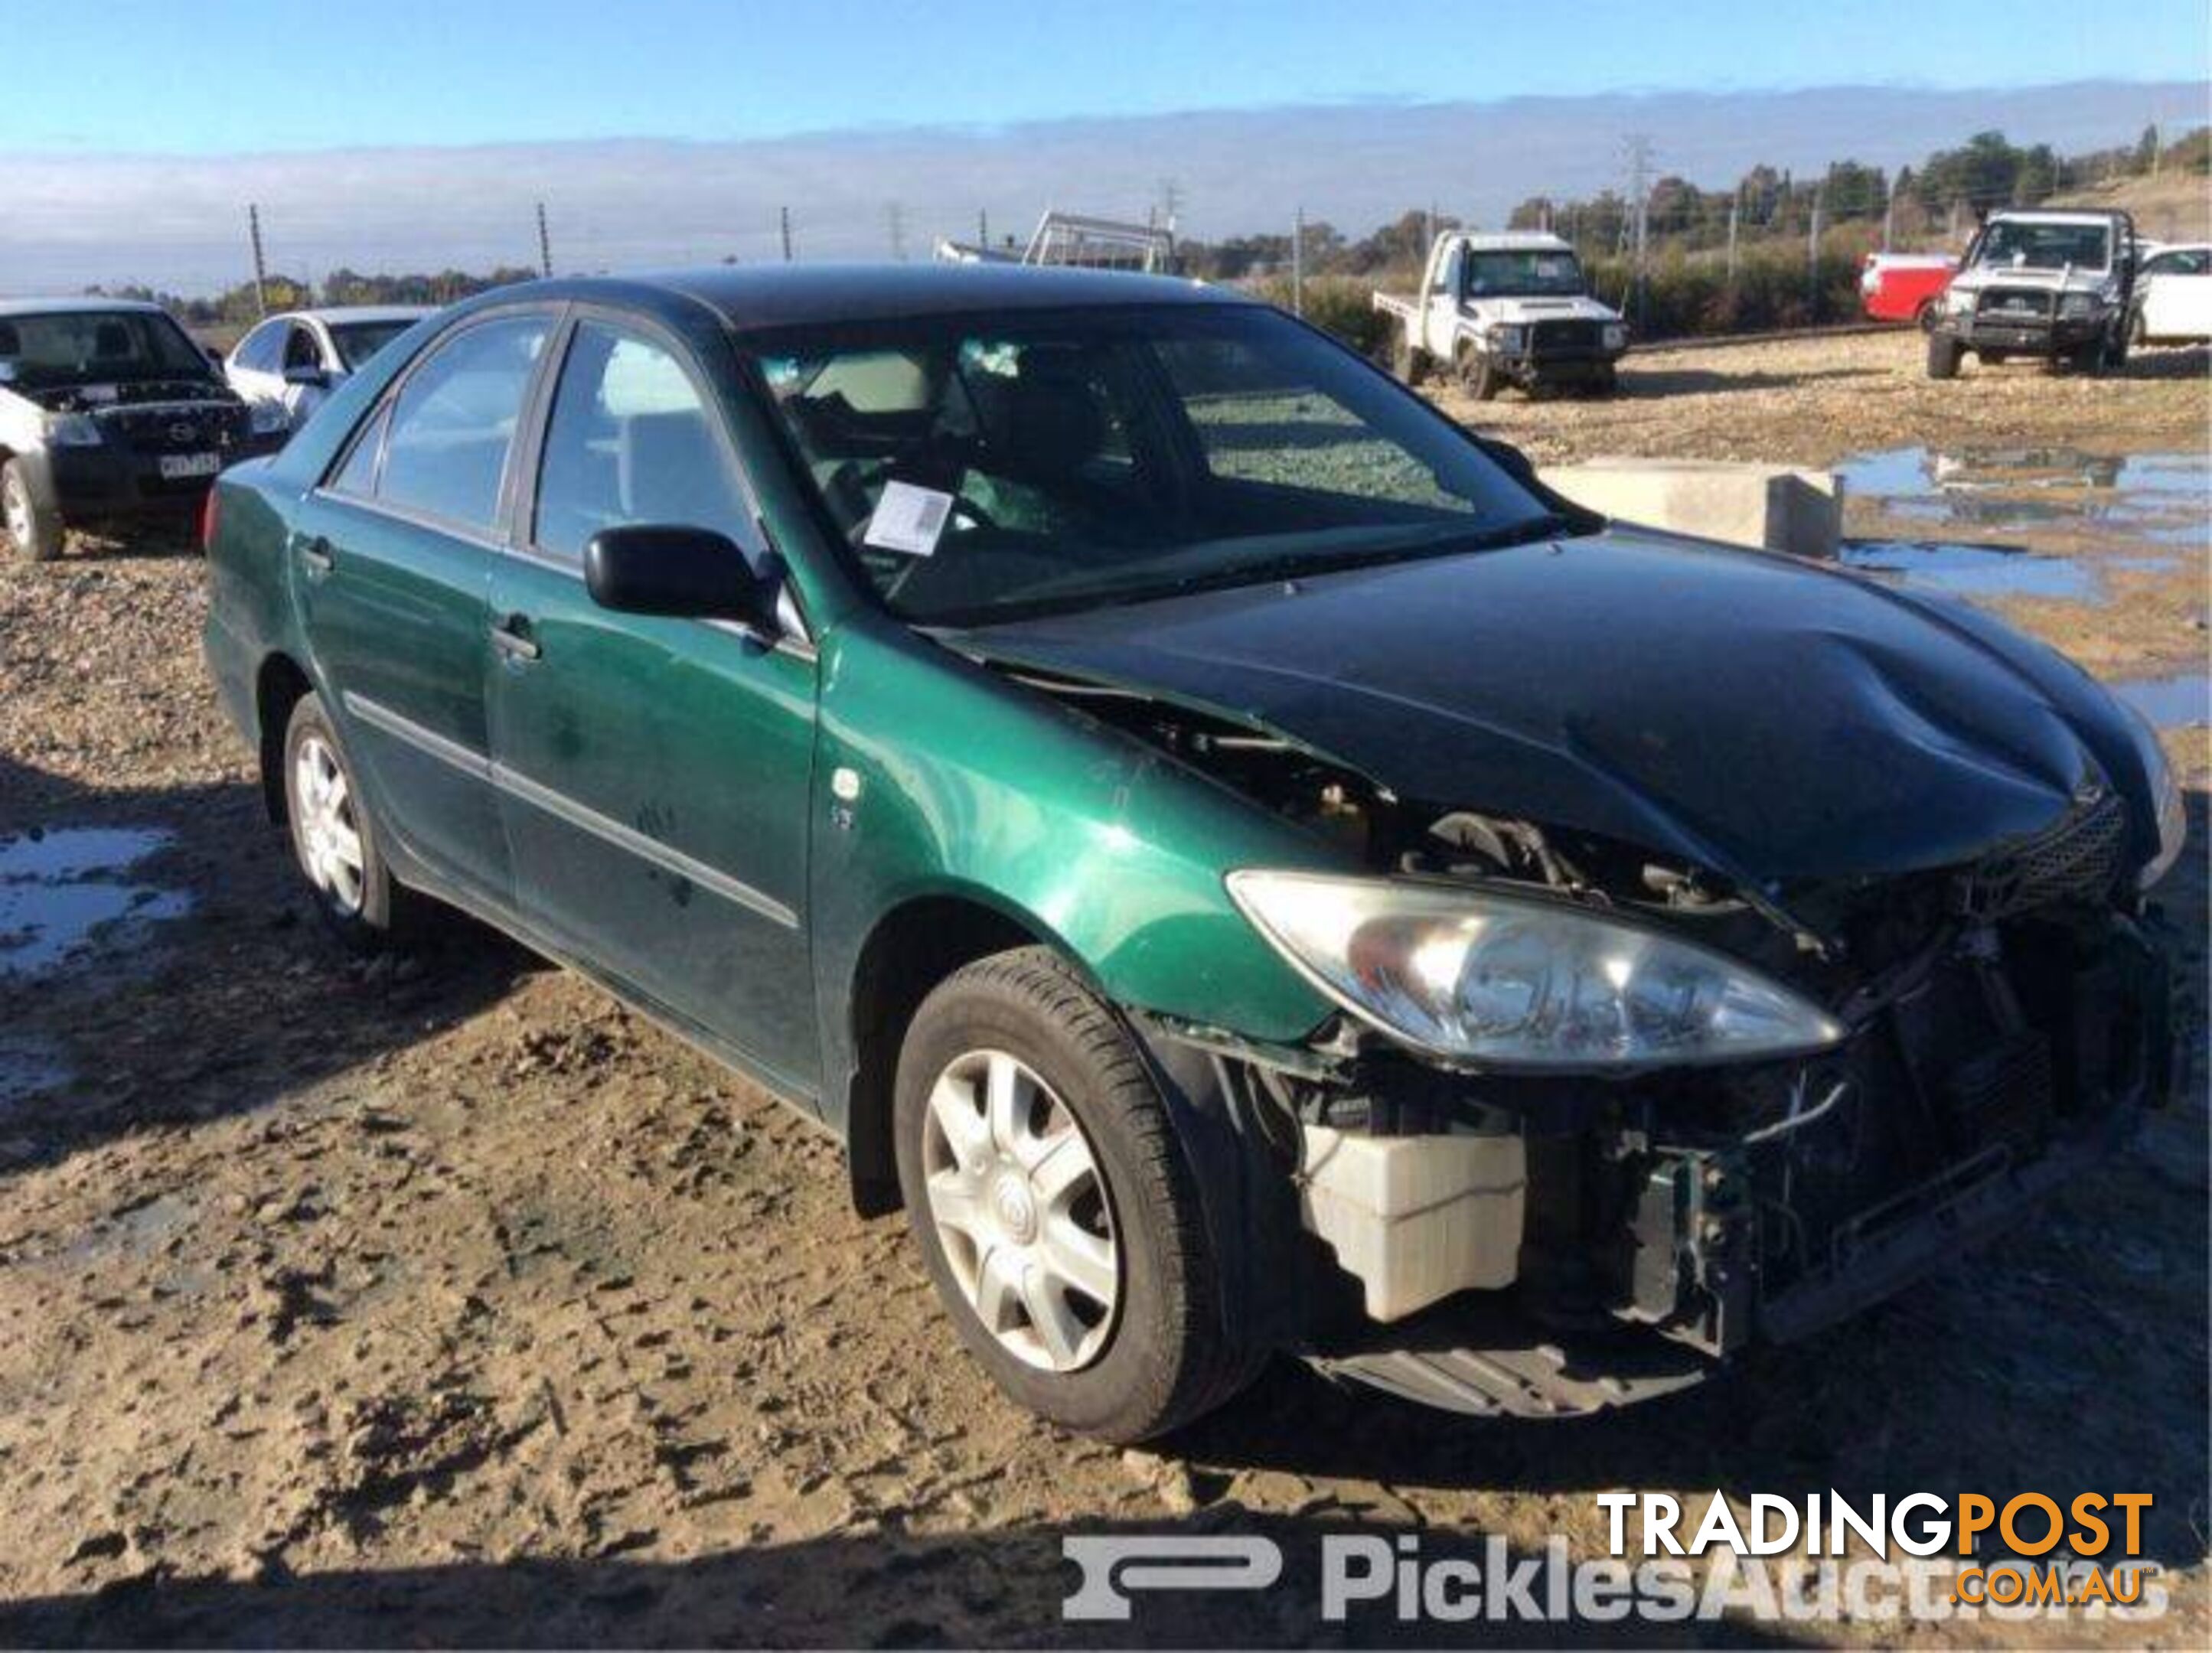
[1643,1264]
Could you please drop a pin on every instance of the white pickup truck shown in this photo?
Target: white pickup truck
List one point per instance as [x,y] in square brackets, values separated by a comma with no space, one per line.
[1506,309]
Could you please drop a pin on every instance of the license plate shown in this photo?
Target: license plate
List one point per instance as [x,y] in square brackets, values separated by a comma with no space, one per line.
[175,467]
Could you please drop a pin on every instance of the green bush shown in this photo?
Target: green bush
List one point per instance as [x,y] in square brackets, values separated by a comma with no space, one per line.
[1342,305]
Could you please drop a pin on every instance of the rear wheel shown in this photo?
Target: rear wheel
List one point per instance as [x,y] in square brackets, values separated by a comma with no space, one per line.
[333,838]
[34,531]
[1056,1210]
[1925,316]
[1408,360]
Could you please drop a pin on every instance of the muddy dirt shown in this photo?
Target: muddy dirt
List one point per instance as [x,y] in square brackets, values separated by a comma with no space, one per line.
[442,1299]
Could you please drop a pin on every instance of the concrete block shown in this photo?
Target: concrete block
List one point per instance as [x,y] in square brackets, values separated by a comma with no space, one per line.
[1777,508]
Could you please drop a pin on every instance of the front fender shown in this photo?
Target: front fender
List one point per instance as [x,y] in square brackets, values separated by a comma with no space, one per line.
[936,776]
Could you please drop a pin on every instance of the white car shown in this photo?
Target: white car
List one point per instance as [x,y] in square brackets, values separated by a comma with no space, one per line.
[288,364]
[2173,296]
[1509,308]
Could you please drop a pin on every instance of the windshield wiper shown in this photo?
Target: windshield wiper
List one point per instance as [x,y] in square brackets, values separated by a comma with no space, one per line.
[1293,565]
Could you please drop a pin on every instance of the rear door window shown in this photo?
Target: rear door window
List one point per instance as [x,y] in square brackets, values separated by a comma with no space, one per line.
[453,425]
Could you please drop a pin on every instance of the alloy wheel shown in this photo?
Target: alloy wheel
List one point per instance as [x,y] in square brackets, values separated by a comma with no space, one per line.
[1021,1210]
[324,826]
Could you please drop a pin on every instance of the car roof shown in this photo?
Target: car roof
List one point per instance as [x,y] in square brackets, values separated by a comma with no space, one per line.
[1514,241]
[760,296]
[77,306]
[2101,219]
[343,314]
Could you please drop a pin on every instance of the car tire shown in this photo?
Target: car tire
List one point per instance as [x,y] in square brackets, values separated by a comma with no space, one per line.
[334,839]
[33,530]
[1040,1166]
[1478,376]
[1926,315]
[1408,360]
[1942,356]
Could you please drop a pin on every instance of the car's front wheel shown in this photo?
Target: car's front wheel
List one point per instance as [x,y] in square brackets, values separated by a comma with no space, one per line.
[36,533]
[1056,1214]
[333,838]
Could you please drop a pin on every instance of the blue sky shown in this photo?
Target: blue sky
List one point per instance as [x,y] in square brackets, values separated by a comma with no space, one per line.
[219,76]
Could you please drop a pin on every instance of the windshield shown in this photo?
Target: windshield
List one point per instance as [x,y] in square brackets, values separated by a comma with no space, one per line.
[985,468]
[357,341]
[2014,245]
[81,347]
[1522,274]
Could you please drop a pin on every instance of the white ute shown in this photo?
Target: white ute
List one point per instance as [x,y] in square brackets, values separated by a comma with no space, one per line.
[1506,309]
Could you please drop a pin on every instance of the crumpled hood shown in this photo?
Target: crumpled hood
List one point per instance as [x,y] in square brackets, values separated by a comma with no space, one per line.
[1519,312]
[1770,719]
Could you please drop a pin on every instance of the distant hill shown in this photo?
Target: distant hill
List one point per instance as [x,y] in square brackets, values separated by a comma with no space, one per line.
[2171,208]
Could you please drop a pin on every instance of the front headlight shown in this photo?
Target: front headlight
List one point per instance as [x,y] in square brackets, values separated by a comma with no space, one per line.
[73,430]
[1958,301]
[270,417]
[1505,339]
[1616,336]
[2079,307]
[1522,983]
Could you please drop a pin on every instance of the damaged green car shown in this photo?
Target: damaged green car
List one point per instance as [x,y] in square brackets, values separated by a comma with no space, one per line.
[1246,868]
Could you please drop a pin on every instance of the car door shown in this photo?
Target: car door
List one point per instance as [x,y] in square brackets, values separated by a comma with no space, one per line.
[392,560]
[654,773]
[2189,294]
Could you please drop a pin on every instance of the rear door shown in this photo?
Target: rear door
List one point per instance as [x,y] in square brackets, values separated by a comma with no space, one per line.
[391,559]
[654,773]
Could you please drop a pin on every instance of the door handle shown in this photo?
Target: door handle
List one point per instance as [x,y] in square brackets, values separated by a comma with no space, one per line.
[316,554]
[512,638]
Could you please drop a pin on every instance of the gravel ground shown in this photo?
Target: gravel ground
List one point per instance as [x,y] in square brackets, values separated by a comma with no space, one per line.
[446,1301]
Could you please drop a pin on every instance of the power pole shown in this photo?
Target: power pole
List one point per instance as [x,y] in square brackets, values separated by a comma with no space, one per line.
[783,228]
[1888,213]
[260,265]
[1639,190]
[982,227]
[1812,256]
[1735,207]
[1298,262]
[1170,204]
[895,225]
[544,243]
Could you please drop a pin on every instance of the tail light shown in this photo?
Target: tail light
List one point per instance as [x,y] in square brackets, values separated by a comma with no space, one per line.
[210,519]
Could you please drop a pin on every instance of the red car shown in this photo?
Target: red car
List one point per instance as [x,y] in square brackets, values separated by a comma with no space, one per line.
[1904,286]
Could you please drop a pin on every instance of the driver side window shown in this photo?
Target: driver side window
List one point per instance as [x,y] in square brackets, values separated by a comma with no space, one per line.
[630,440]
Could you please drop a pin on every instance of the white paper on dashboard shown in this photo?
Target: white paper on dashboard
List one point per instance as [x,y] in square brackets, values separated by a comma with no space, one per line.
[909,519]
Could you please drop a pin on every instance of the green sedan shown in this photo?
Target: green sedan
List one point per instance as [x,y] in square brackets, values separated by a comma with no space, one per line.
[1243,865]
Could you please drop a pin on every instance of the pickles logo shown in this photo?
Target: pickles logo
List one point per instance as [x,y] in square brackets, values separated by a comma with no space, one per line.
[1112,1567]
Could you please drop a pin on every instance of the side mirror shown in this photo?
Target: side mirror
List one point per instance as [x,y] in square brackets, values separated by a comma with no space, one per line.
[312,378]
[687,573]
[214,355]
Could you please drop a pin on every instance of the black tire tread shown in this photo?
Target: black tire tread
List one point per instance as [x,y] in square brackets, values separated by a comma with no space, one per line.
[1219,1365]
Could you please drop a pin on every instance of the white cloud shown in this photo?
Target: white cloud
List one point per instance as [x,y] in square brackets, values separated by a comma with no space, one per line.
[180,222]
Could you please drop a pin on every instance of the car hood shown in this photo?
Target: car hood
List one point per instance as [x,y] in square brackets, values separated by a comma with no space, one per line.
[1770,718]
[1517,311]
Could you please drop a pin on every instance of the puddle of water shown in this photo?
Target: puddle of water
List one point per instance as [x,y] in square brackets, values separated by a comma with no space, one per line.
[2174,702]
[2144,502]
[1973,570]
[60,890]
